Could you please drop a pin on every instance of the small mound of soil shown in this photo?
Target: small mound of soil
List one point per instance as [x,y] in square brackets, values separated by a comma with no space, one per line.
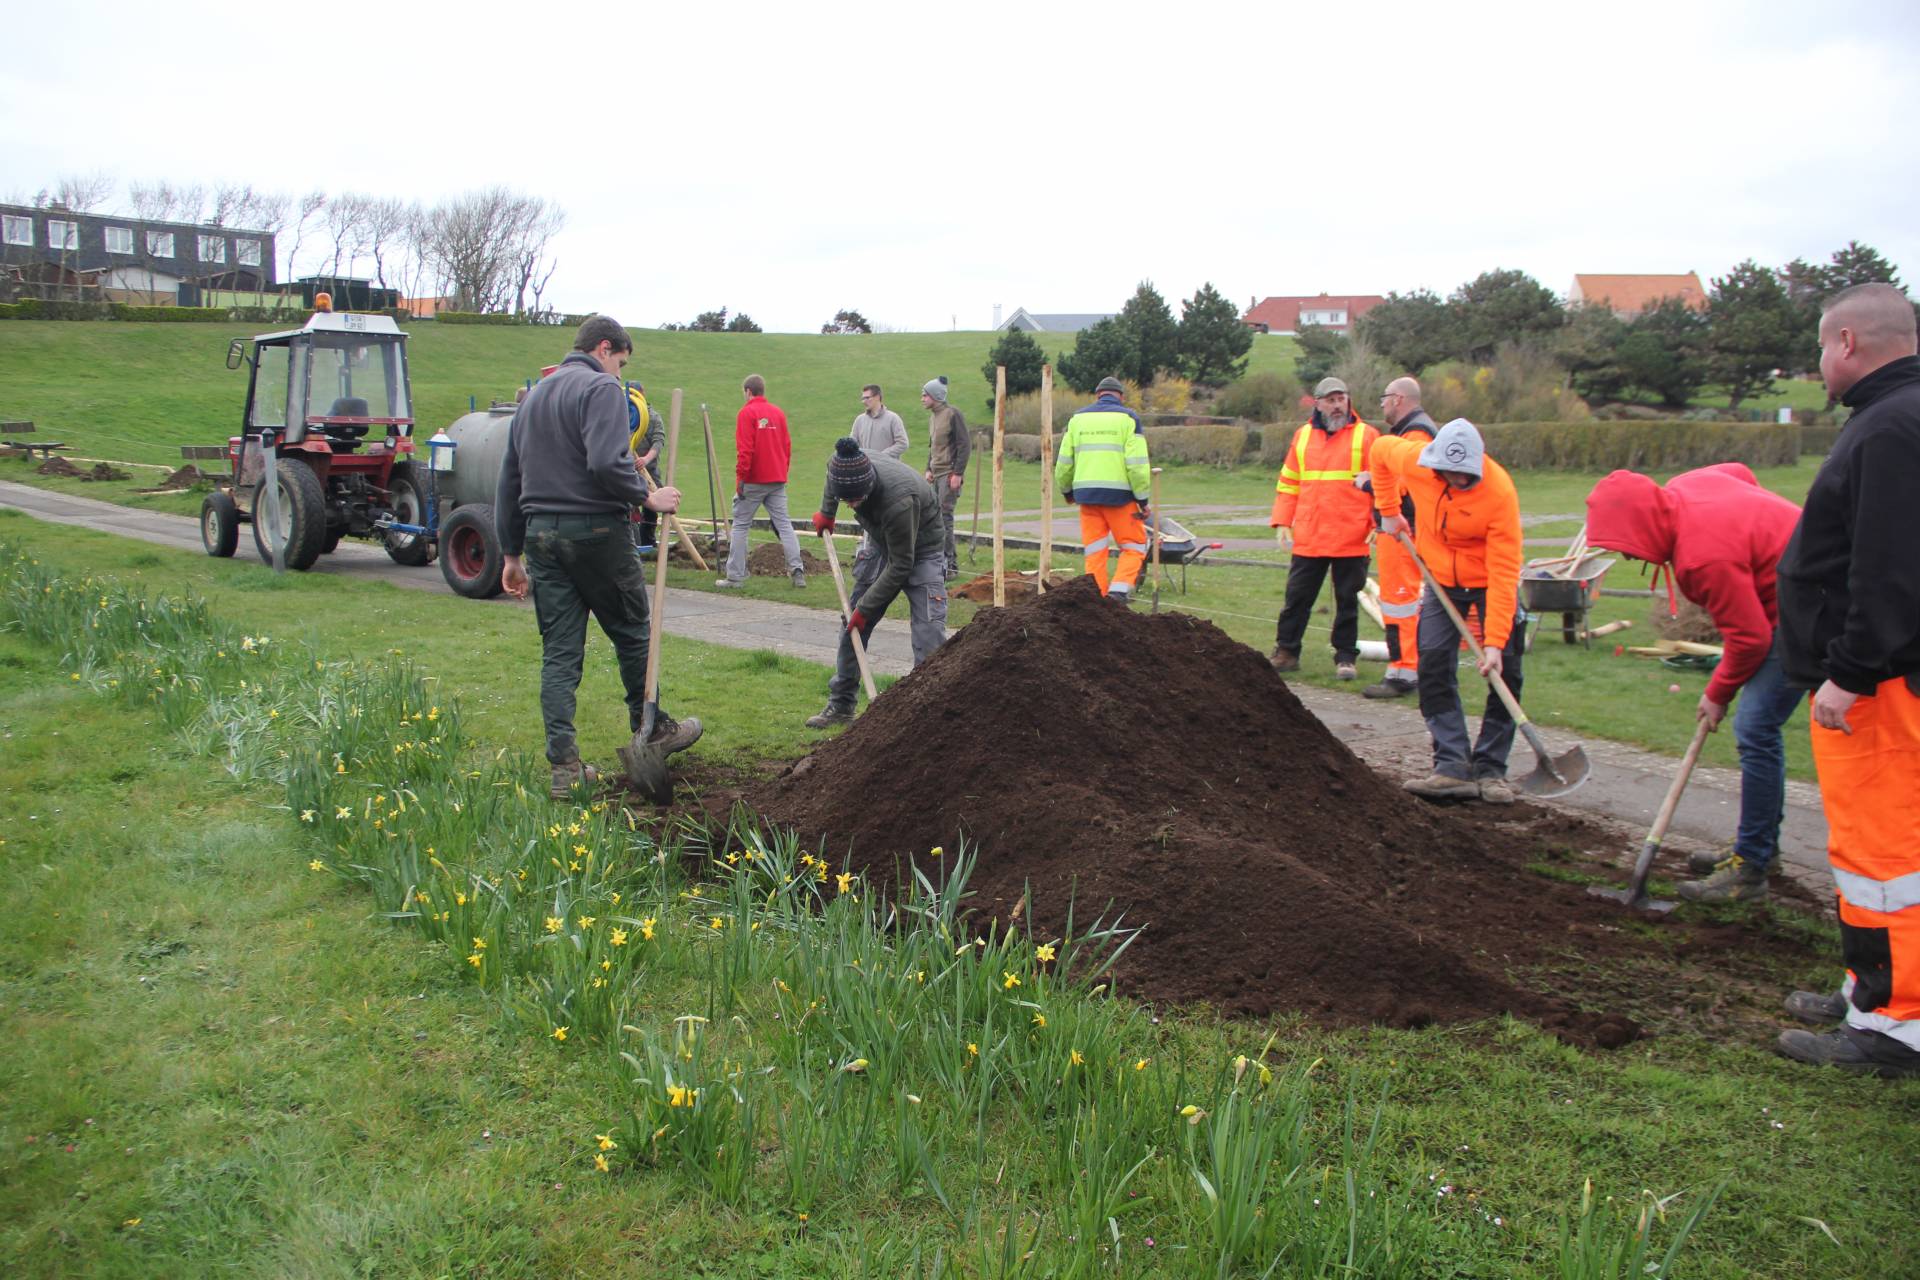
[102,471]
[58,467]
[185,478]
[1694,624]
[769,560]
[1019,586]
[1114,762]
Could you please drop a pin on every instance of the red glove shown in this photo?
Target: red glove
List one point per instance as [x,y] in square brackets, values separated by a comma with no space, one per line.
[822,522]
[857,622]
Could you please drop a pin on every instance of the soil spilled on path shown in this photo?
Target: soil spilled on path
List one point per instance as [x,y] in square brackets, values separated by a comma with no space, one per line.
[1110,761]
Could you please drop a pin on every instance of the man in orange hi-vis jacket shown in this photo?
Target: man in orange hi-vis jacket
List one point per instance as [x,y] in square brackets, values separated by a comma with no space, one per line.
[1467,529]
[1399,577]
[1319,513]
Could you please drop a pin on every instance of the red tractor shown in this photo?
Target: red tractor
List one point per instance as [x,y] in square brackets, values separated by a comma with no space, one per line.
[329,413]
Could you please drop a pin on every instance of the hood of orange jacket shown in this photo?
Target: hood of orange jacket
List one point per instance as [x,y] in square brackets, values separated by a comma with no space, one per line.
[1467,537]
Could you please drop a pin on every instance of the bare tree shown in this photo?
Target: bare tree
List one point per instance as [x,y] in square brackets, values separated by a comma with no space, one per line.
[304,208]
[539,223]
[383,224]
[489,246]
[75,193]
[345,221]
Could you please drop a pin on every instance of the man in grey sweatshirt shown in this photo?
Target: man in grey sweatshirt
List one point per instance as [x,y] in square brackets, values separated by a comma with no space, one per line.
[566,485]
[878,429]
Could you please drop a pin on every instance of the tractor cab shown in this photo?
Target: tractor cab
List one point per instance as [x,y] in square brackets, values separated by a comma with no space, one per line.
[330,382]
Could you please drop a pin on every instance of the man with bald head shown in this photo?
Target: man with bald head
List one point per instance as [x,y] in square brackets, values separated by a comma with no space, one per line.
[1399,576]
[1850,624]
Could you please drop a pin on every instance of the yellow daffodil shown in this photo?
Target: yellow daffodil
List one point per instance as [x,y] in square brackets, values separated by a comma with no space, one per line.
[1040,1020]
[1044,953]
[306,815]
[554,923]
[733,859]
[560,1034]
[1074,1059]
[479,944]
[573,828]
[1142,1064]
[316,865]
[646,929]
[845,881]
[616,899]
[476,959]
[605,1143]
[1009,979]
[618,937]
[585,922]
[856,1066]
[600,1163]
[606,966]
[937,851]
[459,899]
[580,849]
[717,923]
[679,1097]
[973,1050]
[342,813]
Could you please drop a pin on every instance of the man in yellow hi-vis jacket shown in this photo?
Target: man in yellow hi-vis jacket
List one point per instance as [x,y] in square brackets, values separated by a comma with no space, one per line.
[1102,468]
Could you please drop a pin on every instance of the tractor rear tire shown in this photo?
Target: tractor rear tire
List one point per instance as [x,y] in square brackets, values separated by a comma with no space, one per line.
[303,506]
[220,525]
[470,555]
[409,502]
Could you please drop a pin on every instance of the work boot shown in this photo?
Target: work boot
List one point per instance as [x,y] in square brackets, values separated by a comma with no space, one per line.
[1120,596]
[1818,1008]
[730,584]
[670,735]
[831,716]
[799,577]
[1705,862]
[1389,688]
[1440,786]
[1283,660]
[1345,671]
[1851,1049]
[1495,791]
[1737,881]
[570,775]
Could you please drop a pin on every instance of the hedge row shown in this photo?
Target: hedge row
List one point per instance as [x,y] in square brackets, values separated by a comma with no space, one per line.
[1535,446]
[41,309]
[1819,440]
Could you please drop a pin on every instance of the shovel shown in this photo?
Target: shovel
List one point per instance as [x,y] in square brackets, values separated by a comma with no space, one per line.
[1635,894]
[1552,775]
[645,764]
[846,615]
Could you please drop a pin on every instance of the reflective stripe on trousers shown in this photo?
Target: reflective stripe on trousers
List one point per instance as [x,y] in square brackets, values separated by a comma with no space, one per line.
[1101,528]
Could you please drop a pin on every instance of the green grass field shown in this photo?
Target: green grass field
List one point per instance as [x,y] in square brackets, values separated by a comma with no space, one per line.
[221,1060]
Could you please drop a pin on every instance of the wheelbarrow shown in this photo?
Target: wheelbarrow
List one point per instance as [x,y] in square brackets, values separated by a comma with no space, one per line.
[1569,588]
[1178,545]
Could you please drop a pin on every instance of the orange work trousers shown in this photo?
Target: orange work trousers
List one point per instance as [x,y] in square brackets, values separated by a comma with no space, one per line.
[1868,783]
[1104,528]
[1400,608]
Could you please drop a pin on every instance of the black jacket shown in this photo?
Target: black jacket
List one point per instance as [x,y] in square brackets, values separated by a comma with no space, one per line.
[1850,577]
[568,451]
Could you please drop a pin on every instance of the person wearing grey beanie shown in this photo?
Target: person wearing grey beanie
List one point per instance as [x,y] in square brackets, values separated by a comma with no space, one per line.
[901,552]
[949,444]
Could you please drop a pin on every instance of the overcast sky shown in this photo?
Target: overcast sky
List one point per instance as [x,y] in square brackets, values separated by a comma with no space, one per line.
[921,163]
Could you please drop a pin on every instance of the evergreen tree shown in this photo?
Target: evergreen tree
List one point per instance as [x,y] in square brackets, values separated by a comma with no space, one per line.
[1664,352]
[1105,350]
[847,322]
[1588,348]
[1321,348]
[1213,341]
[1413,331]
[1023,358]
[742,323]
[710,322]
[1503,306]
[1156,337]
[1751,331]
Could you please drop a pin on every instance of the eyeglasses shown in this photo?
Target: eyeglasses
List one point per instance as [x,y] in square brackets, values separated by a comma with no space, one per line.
[866,395]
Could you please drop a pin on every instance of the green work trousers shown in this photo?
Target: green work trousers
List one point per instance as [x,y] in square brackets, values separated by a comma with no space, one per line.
[584,565]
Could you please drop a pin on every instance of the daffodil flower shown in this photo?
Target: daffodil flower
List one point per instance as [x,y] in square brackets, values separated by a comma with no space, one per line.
[1044,953]
[560,1034]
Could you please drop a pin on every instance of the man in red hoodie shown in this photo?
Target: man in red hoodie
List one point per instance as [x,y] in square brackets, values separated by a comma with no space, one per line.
[761,451]
[1721,534]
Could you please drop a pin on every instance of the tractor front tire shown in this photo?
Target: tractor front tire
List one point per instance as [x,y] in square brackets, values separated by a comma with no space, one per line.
[220,524]
[409,504]
[470,555]
[303,514]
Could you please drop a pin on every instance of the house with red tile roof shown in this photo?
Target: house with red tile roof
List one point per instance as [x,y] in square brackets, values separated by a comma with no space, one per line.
[1328,311]
[1628,296]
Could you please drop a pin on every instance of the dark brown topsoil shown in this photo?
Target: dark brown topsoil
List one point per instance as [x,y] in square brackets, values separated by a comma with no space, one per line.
[1016,586]
[1117,762]
[769,560]
[103,471]
[58,467]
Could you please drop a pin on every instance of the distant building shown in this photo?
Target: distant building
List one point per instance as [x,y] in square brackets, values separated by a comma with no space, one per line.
[1628,296]
[1327,311]
[1054,322]
[56,252]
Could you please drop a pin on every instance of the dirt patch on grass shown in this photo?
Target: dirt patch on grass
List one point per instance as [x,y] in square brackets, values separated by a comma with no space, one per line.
[1106,761]
[58,467]
[104,471]
[1019,586]
[769,560]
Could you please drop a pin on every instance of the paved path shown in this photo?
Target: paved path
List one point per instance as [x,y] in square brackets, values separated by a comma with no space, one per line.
[1627,784]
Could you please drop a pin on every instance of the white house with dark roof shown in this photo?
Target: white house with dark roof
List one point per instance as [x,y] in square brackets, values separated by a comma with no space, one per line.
[1053,321]
[56,252]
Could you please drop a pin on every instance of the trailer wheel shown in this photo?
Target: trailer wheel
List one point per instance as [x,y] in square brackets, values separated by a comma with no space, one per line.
[220,525]
[409,501]
[470,556]
[303,514]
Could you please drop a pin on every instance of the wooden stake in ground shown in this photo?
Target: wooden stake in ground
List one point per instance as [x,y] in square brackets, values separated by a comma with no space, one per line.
[1153,502]
[973,543]
[999,481]
[1046,475]
[846,616]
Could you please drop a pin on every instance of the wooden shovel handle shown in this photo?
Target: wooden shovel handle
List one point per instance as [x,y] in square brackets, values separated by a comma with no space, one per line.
[846,615]
[1499,686]
[658,620]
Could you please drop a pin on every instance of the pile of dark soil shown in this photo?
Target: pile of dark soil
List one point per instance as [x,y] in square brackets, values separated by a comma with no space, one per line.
[1018,586]
[104,471]
[769,560]
[1116,761]
[1694,623]
[57,467]
[185,478]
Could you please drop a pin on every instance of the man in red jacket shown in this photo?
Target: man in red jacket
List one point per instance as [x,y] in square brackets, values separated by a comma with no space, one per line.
[761,451]
[1721,534]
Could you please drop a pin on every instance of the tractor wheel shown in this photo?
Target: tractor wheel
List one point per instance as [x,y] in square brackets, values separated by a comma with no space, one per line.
[470,557]
[220,525]
[303,514]
[409,499]
[331,540]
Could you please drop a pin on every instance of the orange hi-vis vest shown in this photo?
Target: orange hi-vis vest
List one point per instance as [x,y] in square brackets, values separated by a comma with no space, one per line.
[1315,493]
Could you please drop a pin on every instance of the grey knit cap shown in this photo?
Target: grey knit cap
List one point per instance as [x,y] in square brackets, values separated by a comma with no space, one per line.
[851,474]
[937,389]
[1110,383]
[1456,447]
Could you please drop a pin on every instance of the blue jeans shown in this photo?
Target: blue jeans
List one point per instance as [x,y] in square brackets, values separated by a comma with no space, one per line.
[1767,701]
